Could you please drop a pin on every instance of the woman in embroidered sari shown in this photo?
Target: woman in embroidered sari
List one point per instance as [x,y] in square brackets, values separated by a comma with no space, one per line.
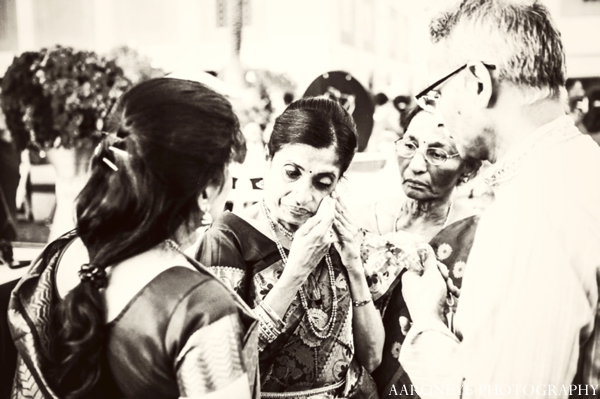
[430,169]
[294,258]
[139,319]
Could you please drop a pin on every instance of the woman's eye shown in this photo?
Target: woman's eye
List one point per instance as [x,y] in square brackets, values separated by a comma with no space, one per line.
[324,184]
[436,154]
[292,173]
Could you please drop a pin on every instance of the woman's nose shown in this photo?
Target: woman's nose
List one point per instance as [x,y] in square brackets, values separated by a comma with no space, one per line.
[302,194]
[418,164]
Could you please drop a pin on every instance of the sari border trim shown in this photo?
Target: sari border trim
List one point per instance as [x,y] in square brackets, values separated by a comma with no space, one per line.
[303,394]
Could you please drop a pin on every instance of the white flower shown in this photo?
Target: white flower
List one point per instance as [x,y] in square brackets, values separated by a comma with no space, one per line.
[444,251]
[459,269]
[396,350]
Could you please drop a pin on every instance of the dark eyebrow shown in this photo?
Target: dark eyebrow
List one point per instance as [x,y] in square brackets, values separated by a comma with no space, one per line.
[295,165]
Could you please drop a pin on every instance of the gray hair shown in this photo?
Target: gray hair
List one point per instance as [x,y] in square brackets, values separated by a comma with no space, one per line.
[519,37]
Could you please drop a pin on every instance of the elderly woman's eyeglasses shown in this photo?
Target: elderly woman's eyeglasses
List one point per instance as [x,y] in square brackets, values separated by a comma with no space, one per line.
[428,98]
[435,156]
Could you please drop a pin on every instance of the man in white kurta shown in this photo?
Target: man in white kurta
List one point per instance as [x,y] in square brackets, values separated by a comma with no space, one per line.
[528,319]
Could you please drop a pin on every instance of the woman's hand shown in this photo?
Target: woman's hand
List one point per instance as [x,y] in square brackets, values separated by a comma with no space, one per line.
[367,325]
[348,238]
[312,240]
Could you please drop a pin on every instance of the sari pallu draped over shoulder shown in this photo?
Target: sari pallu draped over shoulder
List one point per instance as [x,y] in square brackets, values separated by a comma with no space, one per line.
[35,297]
[29,315]
[385,258]
[297,363]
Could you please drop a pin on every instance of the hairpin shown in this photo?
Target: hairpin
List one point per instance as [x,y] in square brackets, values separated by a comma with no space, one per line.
[110,164]
[118,151]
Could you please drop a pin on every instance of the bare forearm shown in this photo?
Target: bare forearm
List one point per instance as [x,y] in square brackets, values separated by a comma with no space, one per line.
[272,309]
[283,293]
[367,324]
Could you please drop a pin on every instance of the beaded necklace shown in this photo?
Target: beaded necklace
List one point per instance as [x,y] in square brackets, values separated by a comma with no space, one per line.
[289,234]
[312,313]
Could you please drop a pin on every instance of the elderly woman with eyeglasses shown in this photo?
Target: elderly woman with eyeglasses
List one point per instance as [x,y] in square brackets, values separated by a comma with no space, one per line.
[430,170]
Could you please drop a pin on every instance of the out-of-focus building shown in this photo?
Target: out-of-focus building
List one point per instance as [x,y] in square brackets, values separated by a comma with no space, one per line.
[381,42]
[578,21]
[307,38]
[369,38]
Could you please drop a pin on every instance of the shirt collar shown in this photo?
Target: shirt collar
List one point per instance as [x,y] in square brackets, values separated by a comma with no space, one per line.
[505,169]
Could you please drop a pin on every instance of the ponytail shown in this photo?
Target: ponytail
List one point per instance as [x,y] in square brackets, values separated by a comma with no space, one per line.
[80,341]
[174,138]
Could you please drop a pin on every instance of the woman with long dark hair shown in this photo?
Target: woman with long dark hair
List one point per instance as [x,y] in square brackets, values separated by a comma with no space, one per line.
[114,308]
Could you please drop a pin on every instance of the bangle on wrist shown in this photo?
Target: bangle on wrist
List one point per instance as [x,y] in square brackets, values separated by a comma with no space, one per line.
[270,325]
[358,304]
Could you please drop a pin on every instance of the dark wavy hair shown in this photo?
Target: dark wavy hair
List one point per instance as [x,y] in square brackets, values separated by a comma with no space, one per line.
[320,123]
[173,138]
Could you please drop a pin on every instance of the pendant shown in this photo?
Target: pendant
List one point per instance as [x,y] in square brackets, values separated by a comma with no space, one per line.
[317,317]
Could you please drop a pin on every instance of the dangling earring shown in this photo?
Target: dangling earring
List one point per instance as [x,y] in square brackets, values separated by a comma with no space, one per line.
[205,209]
[464,179]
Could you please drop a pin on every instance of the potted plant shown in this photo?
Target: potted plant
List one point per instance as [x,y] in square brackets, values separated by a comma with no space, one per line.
[62,97]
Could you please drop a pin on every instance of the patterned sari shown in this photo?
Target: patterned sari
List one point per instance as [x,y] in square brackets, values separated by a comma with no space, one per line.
[385,258]
[296,364]
[183,334]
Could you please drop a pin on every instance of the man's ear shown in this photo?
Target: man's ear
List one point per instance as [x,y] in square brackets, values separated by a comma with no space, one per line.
[267,153]
[480,84]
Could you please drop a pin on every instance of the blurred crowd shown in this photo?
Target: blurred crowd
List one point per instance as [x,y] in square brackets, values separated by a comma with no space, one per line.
[584,108]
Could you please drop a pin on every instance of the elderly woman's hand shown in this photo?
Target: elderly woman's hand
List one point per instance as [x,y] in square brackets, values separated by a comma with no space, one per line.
[348,238]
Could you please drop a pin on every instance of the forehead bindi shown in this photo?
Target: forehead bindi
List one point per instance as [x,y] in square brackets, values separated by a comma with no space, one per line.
[310,159]
[425,129]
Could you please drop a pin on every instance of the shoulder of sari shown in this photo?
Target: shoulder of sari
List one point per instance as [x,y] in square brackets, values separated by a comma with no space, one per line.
[232,245]
[246,311]
[452,246]
[385,257]
[231,232]
[240,256]
[29,315]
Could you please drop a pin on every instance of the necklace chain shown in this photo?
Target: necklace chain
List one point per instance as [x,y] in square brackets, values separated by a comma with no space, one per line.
[320,332]
[173,245]
[443,226]
[287,233]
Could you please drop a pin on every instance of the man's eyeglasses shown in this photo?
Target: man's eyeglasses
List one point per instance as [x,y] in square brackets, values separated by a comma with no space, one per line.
[428,98]
[435,156]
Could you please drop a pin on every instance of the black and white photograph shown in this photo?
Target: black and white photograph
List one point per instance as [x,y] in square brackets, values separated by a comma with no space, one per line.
[316,199]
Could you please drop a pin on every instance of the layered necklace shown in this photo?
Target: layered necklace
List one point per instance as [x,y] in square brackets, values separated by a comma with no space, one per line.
[314,314]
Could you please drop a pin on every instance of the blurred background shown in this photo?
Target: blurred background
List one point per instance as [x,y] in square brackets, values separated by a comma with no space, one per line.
[63,63]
